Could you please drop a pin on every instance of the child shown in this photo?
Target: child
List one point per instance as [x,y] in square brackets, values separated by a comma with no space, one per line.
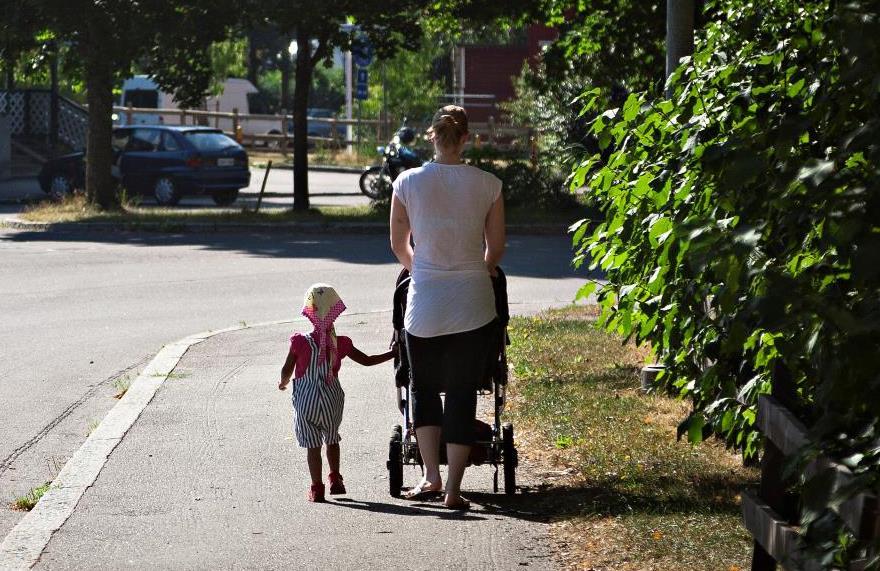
[318,398]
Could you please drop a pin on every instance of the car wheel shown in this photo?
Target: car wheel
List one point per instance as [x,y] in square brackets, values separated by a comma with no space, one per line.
[60,187]
[225,197]
[166,192]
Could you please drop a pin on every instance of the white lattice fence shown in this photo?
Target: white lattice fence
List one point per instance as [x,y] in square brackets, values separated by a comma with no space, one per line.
[12,105]
[73,124]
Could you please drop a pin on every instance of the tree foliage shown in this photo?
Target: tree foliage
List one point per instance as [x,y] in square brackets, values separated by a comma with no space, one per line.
[741,235]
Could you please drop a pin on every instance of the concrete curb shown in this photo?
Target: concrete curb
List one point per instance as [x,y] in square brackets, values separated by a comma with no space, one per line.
[236,227]
[316,168]
[22,547]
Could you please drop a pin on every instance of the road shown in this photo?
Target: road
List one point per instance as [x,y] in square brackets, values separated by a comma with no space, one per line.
[326,189]
[79,311]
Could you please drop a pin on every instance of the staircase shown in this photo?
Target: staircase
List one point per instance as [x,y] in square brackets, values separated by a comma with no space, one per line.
[30,118]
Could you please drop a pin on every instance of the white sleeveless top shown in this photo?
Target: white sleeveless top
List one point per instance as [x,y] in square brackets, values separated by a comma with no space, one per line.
[450,291]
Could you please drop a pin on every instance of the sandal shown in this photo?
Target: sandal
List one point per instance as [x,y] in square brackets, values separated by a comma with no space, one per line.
[460,504]
[422,490]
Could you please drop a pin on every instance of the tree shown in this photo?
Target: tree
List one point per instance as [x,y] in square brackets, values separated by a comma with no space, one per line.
[171,38]
[318,29]
[740,236]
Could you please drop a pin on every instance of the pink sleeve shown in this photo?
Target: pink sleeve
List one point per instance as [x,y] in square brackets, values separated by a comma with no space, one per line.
[296,343]
[344,346]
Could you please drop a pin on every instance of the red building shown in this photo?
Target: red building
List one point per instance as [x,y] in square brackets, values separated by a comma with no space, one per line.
[483,74]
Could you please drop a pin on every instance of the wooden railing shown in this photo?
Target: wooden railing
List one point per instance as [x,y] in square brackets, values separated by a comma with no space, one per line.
[771,514]
[275,132]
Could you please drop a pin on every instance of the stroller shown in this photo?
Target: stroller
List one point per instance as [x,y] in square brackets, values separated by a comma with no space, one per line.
[494,443]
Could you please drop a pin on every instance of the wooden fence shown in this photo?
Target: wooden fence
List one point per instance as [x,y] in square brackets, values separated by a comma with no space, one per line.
[771,514]
[273,131]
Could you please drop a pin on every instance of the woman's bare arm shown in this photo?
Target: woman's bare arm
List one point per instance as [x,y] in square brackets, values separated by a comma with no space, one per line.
[400,233]
[368,360]
[495,235]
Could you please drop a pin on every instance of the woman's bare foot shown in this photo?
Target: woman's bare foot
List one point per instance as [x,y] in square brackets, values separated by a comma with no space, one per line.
[456,503]
[423,488]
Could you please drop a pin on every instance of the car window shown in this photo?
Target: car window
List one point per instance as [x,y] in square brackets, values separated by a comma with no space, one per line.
[169,143]
[209,140]
[120,139]
[144,140]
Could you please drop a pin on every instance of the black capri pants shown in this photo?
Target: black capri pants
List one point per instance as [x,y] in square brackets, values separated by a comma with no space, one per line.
[454,364]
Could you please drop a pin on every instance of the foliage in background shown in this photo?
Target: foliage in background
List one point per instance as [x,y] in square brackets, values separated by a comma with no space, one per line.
[741,236]
[414,80]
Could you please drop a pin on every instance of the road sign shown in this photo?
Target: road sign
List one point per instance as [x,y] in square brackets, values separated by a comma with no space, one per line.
[361,92]
[362,51]
[362,82]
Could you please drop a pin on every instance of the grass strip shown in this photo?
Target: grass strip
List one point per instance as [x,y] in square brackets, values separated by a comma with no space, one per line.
[623,493]
[27,502]
[77,209]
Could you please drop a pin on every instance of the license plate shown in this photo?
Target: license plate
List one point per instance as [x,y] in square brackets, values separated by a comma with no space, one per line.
[225,162]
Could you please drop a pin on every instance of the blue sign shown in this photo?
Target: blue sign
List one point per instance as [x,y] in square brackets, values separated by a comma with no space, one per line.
[361,91]
[362,51]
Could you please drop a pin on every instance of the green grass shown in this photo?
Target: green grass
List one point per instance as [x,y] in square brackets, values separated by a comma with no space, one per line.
[76,209]
[27,502]
[636,497]
[121,385]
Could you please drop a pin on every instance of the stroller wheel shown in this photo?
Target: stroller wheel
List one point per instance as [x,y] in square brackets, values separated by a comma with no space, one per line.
[395,462]
[510,458]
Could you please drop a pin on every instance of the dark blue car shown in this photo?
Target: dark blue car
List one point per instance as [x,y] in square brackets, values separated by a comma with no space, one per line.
[167,162]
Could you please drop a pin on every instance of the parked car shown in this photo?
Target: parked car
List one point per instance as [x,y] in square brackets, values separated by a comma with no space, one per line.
[322,128]
[167,162]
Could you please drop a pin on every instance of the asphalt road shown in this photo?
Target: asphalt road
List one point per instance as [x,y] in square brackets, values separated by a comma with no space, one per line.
[325,189]
[82,310]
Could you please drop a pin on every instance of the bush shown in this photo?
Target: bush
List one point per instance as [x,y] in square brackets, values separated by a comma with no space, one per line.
[741,236]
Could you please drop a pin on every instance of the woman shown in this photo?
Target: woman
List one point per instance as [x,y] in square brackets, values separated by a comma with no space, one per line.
[455,215]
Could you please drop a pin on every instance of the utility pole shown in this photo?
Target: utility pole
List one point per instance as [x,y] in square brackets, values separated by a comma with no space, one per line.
[679,33]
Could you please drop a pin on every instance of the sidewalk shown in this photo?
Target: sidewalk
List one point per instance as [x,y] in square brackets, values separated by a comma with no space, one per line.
[210,476]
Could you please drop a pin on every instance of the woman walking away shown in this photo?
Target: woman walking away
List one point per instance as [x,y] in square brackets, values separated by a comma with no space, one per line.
[318,398]
[455,216]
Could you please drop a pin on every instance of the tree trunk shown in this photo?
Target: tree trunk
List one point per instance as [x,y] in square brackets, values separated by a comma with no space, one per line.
[253,61]
[285,68]
[100,186]
[304,69]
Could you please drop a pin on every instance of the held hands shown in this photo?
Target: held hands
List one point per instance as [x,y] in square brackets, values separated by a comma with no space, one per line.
[493,269]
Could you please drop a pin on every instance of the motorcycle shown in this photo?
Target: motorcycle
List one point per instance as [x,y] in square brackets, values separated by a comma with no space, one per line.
[376,181]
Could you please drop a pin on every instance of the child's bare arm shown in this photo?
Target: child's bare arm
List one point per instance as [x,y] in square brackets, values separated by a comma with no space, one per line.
[369,360]
[287,370]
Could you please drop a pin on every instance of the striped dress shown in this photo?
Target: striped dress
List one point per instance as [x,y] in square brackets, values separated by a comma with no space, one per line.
[317,404]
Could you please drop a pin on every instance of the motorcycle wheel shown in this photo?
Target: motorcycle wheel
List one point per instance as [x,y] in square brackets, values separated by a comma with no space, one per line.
[375,184]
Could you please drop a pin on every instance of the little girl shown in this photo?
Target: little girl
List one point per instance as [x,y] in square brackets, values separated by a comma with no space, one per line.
[318,398]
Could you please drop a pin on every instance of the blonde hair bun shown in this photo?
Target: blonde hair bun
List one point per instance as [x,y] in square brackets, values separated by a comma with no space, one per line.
[450,124]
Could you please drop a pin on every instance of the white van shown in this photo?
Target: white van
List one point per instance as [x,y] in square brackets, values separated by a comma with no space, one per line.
[142,92]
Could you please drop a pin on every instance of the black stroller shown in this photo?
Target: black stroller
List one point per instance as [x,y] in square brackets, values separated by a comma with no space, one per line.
[494,444]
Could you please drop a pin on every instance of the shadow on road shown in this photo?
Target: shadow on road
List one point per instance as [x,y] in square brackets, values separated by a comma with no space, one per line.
[526,256]
[414,509]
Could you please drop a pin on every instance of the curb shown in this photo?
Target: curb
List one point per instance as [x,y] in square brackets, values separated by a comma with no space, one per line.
[23,545]
[378,228]
[316,168]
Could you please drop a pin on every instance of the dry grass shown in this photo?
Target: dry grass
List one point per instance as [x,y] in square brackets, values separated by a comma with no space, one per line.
[77,209]
[624,494]
[321,157]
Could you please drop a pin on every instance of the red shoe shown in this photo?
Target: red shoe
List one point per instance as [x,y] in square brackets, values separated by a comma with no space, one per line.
[336,484]
[316,493]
